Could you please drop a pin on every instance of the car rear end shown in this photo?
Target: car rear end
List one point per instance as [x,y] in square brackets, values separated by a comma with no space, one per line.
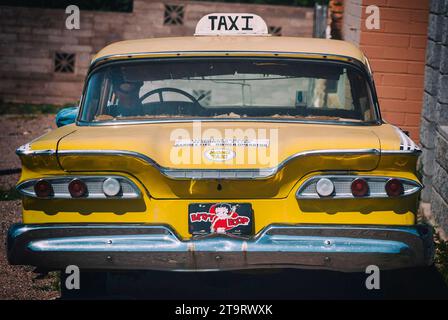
[232,160]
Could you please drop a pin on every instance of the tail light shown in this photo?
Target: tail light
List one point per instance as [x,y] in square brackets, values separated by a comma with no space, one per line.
[77,188]
[111,187]
[43,189]
[359,187]
[324,187]
[394,188]
[356,186]
[86,187]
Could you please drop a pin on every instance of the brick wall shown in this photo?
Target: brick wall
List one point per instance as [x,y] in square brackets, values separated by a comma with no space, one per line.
[434,126]
[30,38]
[397,55]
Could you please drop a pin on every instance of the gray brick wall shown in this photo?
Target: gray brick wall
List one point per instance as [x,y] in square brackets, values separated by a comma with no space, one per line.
[434,126]
[30,37]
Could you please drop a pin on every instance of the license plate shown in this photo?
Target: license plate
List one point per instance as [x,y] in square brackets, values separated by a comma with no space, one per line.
[234,218]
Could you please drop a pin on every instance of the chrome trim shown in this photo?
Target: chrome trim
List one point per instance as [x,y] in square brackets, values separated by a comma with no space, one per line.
[200,174]
[406,143]
[174,173]
[158,247]
[334,178]
[224,53]
[267,120]
[136,194]
[415,152]
[25,150]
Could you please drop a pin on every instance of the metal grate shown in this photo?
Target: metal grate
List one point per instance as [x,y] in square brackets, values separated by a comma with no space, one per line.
[275,30]
[64,62]
[204,96]
[174,15]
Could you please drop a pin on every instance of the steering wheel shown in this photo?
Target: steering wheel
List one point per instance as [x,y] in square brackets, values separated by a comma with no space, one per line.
[160,91]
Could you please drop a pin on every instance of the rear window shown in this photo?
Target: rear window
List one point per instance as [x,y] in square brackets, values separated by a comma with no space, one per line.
[234,88]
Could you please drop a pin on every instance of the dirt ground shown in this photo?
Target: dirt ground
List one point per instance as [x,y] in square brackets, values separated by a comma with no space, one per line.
[17,282]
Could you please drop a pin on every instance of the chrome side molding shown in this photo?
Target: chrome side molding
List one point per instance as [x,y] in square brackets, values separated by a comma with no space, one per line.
[175,173]
[26,150]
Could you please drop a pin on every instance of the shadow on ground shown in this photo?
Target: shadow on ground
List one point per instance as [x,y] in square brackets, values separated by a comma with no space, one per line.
[417,283]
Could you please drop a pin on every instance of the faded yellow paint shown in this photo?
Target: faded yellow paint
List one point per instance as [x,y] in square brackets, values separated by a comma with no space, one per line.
[231,45]
[156,140]
[165,200]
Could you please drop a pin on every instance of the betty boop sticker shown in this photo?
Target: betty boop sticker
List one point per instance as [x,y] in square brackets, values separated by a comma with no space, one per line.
[221,218]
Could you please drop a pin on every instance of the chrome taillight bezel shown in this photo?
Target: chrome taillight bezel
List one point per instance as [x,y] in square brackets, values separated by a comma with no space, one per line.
[305,190]
[129,189]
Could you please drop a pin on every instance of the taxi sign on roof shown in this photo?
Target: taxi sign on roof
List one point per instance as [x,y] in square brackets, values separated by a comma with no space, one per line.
[221,24]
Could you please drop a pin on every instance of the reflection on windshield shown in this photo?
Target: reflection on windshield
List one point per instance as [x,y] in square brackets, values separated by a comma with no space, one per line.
[227,88]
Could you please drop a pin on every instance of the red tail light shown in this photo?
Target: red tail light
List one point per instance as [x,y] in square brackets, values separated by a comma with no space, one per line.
[77,188]
[394,188]
[43,189]
[359,187]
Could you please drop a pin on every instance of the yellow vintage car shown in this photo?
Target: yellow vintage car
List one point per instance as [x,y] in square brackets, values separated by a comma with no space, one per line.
[227,150]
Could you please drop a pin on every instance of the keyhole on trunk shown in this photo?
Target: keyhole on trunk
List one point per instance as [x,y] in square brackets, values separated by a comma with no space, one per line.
[219,187]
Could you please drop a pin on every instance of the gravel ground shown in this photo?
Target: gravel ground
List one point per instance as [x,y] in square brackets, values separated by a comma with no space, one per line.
[17,282]
[16,131]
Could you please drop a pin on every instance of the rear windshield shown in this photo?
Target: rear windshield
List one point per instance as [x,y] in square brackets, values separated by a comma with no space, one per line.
[234,88]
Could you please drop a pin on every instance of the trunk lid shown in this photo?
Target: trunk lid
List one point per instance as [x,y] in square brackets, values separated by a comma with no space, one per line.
[282,153]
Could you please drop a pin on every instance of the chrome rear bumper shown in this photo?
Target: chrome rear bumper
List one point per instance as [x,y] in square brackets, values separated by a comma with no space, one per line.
[149,247]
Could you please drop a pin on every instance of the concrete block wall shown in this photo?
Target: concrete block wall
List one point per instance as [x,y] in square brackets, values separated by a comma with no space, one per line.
[30,37]
[434,120]
[351,29]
